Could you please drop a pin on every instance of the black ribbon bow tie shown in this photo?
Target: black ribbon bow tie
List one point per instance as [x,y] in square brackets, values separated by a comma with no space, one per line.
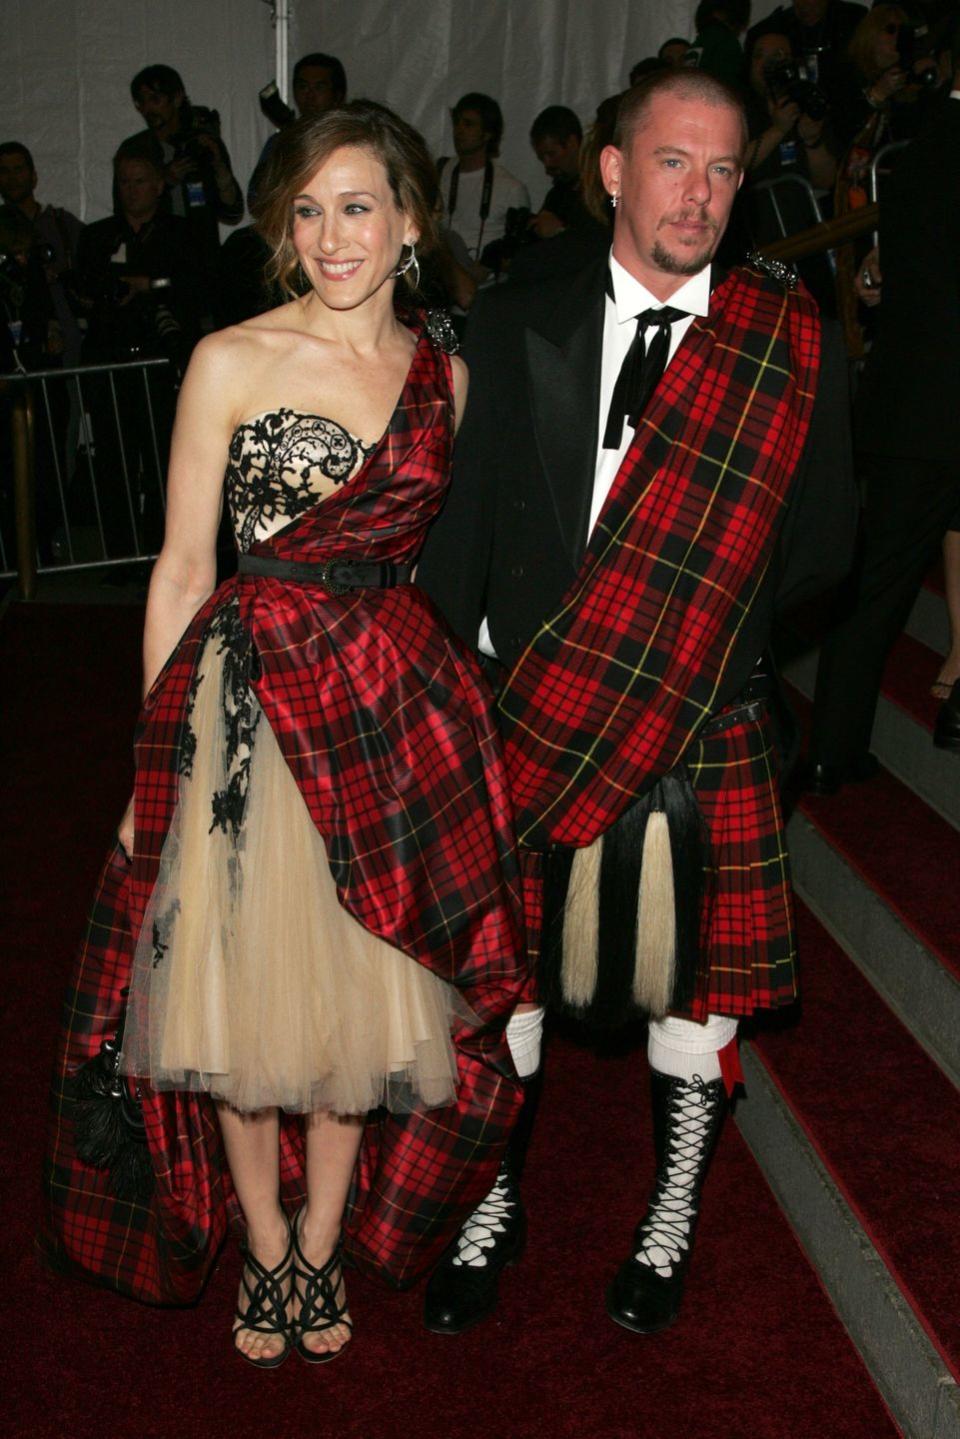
[643,364]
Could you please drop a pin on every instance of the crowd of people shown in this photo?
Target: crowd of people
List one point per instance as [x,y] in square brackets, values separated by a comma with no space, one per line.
[378,825]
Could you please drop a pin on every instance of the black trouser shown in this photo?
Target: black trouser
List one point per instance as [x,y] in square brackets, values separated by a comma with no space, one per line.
[910,505]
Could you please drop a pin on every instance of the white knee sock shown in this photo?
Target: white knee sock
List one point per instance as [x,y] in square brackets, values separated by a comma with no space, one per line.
[524,1036]
[681,1048]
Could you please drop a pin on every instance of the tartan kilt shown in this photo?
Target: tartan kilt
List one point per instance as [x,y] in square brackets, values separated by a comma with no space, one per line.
[747,935]
[747,928]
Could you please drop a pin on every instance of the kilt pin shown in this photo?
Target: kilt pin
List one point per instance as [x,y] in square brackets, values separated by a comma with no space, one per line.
[390,734]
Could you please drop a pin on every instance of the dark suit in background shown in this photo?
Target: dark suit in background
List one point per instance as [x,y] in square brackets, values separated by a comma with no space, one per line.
[907,433]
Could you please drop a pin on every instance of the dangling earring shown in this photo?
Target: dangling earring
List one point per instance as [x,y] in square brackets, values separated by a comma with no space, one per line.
[410,263]
[614,199]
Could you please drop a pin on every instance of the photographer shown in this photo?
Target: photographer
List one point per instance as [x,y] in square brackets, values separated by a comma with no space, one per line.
[478,192]
[55,234]
[184,142]
[787,117]
[819,32]
[319,85]
[891,72]
[716,46]
[141,283]
[556,136]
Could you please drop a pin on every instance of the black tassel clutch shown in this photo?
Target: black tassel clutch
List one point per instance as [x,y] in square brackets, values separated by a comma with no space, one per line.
[108,1126]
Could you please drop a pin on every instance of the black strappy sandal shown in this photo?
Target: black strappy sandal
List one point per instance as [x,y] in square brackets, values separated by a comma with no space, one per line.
[266,1309]
[319,1309]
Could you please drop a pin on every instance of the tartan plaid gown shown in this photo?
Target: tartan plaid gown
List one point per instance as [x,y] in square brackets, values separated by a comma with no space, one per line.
[389,733]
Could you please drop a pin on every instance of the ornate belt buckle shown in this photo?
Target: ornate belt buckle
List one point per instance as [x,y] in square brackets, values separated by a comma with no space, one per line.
[324,574]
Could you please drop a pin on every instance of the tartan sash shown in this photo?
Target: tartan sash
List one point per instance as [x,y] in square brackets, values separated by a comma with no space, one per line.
[614,685]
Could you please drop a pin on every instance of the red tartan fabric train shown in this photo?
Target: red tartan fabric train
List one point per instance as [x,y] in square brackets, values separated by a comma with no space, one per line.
[411,799]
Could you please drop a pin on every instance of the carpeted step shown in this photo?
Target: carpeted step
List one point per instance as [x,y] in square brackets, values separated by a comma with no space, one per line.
[758,1351]
[904,723]
[859,1134]
[879,867]
[928,623]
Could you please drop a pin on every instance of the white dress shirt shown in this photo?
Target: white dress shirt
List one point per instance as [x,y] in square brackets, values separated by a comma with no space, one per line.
[629,300]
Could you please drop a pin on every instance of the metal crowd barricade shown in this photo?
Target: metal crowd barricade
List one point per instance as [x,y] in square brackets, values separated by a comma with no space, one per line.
[776,188]
[879,165]
[33,426]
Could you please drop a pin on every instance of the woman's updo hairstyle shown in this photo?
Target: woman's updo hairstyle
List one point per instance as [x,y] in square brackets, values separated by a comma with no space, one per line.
[301,149]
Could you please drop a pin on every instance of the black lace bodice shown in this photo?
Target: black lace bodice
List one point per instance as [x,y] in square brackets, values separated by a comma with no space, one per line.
[280,464]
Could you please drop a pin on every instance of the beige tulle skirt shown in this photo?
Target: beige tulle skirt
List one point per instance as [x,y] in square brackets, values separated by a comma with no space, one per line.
[250,980]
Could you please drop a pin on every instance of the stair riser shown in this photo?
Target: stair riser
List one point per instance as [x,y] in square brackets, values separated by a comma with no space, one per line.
[928,622]
[905,1366]
[902,745]
[912,980]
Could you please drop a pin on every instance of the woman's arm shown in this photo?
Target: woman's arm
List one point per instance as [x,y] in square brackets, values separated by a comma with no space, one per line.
[461,381]
[186,568]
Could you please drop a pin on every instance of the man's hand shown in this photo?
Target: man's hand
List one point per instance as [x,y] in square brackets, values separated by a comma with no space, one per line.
[177,171]
[868,279]
[221,170]
[136,285]
[887,84]
[810,131]
[784,114]
[546,224]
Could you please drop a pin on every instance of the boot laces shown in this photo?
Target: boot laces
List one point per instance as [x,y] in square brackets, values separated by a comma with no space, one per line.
[486,1224]
[668,1224]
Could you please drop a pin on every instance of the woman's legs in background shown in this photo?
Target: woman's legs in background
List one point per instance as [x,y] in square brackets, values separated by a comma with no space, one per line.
[950,669]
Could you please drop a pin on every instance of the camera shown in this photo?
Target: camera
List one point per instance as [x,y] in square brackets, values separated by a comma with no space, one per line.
[275,110]
[791,80]
[11,279]
[516,234]
[202,121]
[914,44]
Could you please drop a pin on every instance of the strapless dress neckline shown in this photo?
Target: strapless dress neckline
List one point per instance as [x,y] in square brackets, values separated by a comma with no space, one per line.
[283,412]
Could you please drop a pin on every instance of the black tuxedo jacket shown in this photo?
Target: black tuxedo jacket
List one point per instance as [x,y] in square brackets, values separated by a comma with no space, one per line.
[909,400]
[514,529]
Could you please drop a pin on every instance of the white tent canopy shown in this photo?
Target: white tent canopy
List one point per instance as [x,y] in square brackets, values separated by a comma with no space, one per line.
[68,65]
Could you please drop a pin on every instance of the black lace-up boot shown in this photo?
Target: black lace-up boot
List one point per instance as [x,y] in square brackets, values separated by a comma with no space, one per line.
[687,1114]
[463,1288]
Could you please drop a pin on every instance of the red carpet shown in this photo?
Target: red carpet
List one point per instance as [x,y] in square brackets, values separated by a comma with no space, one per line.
[909,673]
[867,824]
[886,1122]
[758,1354]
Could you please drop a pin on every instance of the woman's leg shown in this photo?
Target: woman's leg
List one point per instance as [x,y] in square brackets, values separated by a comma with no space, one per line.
[950,669]
[332,1145]
[252,1142]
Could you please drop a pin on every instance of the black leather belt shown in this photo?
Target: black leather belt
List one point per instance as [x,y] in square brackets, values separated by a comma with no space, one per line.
[337,577]
[749,703]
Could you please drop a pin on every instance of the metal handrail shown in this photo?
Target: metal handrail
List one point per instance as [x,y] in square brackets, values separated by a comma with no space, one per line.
[61,371]
[770,187]
[24,389]
[873,176]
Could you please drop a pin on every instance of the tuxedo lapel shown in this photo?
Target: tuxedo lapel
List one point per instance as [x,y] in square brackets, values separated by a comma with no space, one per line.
[563,358]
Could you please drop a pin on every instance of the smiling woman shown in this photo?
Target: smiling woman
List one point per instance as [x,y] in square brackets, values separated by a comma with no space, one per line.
[314,908]
[297,223]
